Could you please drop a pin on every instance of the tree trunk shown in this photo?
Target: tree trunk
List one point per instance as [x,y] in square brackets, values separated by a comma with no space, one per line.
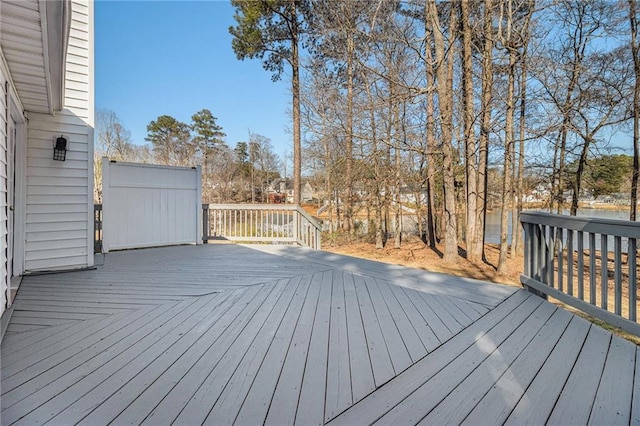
[431,144]
[469,136]
[348,211]
[635,49]
[507,192]
[518,243]
[295,86]
[444,73]
[477,246]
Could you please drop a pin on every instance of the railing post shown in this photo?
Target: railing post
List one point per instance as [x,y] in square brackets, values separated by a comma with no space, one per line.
[296,223]
[205,223]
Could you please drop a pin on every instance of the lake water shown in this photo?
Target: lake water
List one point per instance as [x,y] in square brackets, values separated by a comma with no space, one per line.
[492,233]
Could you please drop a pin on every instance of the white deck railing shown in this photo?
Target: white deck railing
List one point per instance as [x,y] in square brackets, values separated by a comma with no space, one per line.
[571,259]
[277,223]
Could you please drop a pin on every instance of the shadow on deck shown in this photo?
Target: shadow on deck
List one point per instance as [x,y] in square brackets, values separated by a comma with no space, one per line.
[252,334]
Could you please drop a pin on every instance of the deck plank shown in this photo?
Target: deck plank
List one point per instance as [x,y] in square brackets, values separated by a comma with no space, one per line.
[577,397]
[280,335]
[617,379]
[362,381]
[212,370]
[374,406]
[102,383]
[414,346]
[425,333]
[69,380]
[241,356]
[430,316]
[267,350]
[310,406]
[135,381]
[541,395]
[463,398]
[185,362]
[400,358]
[378,353]
[496,405]
[419,402]
[281,405]
[338,394]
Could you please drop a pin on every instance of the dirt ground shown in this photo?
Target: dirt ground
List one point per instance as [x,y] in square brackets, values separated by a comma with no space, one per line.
[416,254]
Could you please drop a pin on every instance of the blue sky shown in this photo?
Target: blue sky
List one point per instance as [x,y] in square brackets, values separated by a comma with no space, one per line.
[175,58]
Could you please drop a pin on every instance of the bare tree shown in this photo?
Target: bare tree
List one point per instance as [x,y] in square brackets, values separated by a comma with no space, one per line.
[444,59]
[635,51]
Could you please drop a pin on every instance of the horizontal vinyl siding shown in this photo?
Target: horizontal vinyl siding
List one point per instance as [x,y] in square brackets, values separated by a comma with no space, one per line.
[58,230]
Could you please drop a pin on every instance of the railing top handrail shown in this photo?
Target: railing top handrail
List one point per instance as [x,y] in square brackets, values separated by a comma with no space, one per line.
[282,207]
[310,219]
[621,228]
[250,206]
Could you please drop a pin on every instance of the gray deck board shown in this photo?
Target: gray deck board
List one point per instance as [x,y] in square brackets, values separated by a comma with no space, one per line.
[220,357]
[154,372]
[400,358]
[310,407]
[96,386]
[284,373]
[411,339]
[387,397]
[378,353]
[338,392]
[456,405]
[225,334]
[496,405]
[268,350]
[186,362]
[433,390]
[420,325]
[233,369]
[359,359]
[617,379]
[577,397]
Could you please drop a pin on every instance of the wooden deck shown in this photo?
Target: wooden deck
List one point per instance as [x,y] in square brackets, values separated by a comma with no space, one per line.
[271,334]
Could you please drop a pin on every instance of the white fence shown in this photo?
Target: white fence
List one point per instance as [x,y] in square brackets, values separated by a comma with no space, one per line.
[149,205]
[278,223]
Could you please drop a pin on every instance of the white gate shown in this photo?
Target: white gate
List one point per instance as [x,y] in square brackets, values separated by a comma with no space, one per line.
[145,205]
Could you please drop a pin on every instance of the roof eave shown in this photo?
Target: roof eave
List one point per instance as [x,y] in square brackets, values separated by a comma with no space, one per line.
[56,25]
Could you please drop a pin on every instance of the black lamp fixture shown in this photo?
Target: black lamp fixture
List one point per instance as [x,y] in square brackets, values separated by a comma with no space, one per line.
[60,149]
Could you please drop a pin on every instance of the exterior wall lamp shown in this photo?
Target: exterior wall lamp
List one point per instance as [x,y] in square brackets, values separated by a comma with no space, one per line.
[60,149]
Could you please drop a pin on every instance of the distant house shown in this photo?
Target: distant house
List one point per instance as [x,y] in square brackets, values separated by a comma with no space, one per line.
[281,190]
[46,97]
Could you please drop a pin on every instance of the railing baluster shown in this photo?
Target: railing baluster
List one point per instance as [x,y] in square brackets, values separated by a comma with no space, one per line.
[527,248]
[559,248]
[570,261]
[550,255]
[617,274]
[580,265]
[604,271]
[632,253]
[592,268]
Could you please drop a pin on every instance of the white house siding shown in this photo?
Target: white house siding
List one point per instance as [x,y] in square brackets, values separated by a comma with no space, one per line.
[59,195]
[4,279]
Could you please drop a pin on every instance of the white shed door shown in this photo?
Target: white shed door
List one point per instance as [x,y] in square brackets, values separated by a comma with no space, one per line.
[149,205]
